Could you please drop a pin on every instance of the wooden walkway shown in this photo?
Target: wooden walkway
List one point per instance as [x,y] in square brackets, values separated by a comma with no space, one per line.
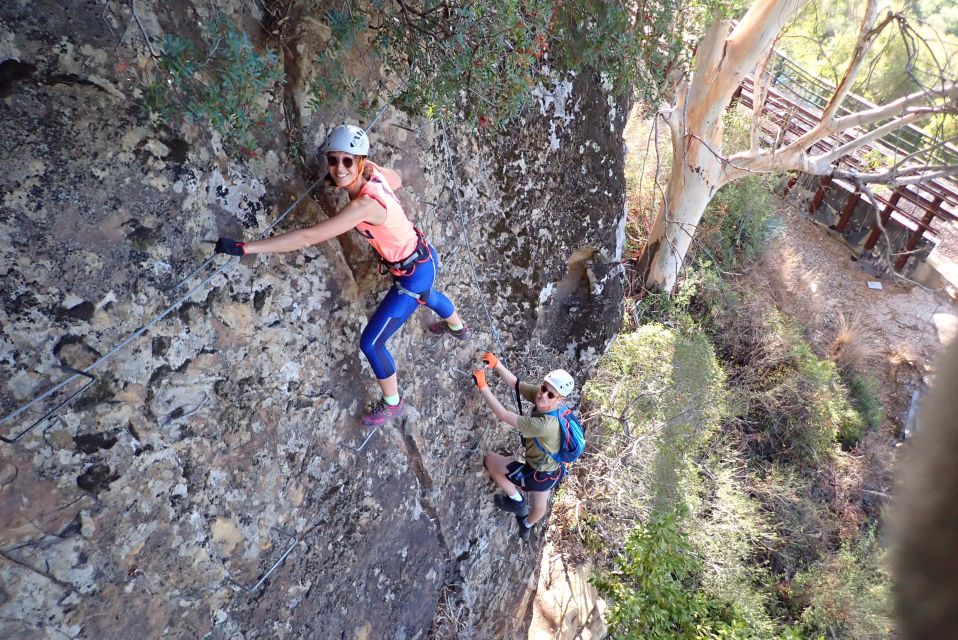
[794,106]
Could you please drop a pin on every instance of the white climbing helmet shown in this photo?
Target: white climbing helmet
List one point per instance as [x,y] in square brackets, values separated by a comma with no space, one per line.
[562,380]
[348,139]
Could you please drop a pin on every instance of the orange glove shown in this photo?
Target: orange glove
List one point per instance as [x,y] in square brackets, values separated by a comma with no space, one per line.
[480,377]
[490,359]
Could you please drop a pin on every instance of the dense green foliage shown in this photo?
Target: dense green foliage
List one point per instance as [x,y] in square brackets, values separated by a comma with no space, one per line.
[864,388]
[721,429]
[658,591]
[483,59]
[913,51]
[664,386]
[224,83]
[847,593]
[797,405]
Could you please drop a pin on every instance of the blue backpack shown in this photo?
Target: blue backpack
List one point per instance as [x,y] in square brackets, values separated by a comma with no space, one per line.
[573,438]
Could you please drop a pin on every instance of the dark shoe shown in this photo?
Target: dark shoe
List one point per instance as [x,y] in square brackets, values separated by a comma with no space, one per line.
[524,531]
[440,327]
[382,412]
[504,502]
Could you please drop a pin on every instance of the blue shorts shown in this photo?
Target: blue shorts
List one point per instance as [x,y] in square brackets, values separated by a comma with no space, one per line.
[396,308]
[524,476]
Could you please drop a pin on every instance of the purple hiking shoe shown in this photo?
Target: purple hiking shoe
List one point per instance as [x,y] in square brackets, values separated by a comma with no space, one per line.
[524,531]
[440,327]
[382,412]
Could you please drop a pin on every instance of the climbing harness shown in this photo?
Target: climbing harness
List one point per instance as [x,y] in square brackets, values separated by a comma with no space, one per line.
[421,298]
[407,266]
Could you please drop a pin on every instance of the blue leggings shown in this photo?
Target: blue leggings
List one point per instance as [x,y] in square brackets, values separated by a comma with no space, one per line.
[395,309]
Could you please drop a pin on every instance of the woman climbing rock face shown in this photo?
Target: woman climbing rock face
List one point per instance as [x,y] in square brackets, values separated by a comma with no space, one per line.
[377,214]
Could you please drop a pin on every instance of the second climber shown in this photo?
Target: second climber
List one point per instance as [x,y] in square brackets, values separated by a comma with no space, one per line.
[540,472]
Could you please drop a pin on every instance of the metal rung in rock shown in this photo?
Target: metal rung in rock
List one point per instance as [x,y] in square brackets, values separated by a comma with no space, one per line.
[275,566]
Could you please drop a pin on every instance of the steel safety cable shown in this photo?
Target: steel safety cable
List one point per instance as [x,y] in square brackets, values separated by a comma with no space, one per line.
[472,264]
[139,332]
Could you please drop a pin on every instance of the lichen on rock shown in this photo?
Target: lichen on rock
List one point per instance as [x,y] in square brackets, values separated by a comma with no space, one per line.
[210,445]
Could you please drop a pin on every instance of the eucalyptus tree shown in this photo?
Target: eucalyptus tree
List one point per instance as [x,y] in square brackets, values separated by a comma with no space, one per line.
[699,95]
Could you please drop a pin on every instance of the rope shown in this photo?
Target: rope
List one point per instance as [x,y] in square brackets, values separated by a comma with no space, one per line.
[465,233]
[133,336]
[279,219]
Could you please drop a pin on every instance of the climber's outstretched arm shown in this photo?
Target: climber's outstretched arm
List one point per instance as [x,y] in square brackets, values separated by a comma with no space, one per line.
[507,376]
[510,418]
[362,209]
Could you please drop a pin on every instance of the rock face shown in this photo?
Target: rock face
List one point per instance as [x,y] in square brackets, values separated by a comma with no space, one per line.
[208,449]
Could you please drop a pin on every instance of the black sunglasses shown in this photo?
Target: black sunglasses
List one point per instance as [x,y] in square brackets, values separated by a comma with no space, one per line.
[332,161]
[544,389]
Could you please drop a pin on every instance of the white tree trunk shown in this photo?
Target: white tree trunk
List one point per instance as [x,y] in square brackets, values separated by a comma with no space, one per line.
[722,61]
[701,166]
[694,180]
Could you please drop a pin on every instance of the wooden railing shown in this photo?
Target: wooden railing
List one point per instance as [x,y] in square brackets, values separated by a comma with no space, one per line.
[815,92]
[794,106]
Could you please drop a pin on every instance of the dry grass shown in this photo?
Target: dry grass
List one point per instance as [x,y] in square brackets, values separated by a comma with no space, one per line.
[453,620]
[783,277]
[904,356]
[850,350]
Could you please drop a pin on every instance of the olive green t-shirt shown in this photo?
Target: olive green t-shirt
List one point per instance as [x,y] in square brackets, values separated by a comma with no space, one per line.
[537,425]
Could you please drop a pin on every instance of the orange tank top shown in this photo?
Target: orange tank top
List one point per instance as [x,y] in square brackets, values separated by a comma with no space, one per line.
[395,239]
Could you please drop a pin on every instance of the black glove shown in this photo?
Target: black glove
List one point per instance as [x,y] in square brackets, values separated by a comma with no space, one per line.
[230,246]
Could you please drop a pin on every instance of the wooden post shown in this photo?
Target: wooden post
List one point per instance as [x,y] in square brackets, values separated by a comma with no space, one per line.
[848,210]
[792,180]
[885,216]
[820,194]
[917,234]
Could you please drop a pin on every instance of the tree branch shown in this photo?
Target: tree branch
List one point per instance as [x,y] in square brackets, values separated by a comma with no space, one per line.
[895,107]
[759,94]
[866,37]
[874,134]
[899,177]
[826,128]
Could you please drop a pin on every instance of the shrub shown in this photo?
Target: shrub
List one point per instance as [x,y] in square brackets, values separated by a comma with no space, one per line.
[656,591]
[740,219]
[656,400]
[738,223]
[795,404]
[804,527]
[223,83]
[729,528]
[848,593]
[850,350]
[864,388]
